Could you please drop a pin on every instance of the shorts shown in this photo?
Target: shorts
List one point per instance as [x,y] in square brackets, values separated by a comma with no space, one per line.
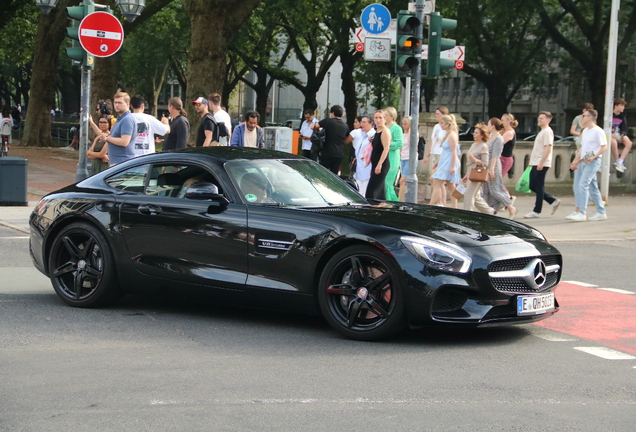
[404,167]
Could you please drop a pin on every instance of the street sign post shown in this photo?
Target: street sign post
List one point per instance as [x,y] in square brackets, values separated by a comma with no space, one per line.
[375,18]
[101,34]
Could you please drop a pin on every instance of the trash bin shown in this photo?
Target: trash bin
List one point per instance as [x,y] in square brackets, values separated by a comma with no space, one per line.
[13,181]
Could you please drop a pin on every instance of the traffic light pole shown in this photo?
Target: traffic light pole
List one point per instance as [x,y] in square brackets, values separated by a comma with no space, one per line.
[411,178]
[82,171]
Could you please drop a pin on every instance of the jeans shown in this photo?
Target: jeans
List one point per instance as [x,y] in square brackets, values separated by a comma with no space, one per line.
[588,186]
[537,185]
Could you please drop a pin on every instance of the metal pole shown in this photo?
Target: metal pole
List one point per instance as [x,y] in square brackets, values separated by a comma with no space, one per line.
[328,83]
[411,178]
[82,165]
[609,96]
[407,98]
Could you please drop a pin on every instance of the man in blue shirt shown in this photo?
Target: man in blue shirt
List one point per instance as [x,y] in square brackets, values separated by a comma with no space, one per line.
[119,138]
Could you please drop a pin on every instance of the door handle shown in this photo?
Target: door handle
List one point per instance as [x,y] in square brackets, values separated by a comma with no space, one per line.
[150,210]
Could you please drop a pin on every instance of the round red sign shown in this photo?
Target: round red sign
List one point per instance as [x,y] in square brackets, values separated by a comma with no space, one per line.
[459,64]
[359,47]
[101,34]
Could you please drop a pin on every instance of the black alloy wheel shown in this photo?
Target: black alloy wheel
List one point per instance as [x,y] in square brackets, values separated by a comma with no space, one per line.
[361,294]
[81,267]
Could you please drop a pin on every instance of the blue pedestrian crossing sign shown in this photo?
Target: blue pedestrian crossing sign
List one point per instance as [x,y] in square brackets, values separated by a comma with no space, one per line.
[375,18]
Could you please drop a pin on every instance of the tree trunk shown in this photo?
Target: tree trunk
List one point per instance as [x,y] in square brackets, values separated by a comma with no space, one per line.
[51,32]
[348,61]
[497,98]
[104,79]
[213,23]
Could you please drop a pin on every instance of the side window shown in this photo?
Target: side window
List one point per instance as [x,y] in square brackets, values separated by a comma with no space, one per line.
[131,180]
[173,180]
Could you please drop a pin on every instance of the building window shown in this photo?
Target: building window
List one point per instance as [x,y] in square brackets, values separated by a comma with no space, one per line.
[553,85]
[456,85]
[468,91]
[445,87]
[480,90]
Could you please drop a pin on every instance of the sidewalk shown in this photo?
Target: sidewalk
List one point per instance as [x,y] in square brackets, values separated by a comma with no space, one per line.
[52,169]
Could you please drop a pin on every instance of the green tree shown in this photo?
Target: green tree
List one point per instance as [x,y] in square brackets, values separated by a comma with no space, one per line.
[583,33]
[504,45]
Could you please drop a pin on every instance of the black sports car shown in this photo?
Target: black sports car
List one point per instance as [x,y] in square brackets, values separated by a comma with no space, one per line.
[272,230]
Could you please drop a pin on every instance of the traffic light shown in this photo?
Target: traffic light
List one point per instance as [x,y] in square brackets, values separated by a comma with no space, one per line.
[406,41]
[437,44]
[76,52]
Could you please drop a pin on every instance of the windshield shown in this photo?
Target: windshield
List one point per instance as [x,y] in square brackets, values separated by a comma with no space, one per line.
[289,182]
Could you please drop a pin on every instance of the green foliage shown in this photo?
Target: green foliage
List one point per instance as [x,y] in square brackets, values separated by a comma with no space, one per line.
[377,87]
[18,36]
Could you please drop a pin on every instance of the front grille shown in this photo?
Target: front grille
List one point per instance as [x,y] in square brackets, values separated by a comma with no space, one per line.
[525,284]
[448,300]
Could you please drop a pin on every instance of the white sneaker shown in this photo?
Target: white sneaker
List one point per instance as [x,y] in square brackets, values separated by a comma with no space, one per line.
[620,166]
[598,217]
[571,215]
[555,206]
[531,215]
[579,217]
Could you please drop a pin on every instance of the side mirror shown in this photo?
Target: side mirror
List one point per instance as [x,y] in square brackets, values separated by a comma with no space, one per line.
[204,191]
[352,184]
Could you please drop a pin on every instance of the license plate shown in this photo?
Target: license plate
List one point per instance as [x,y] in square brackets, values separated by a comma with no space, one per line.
[535,304]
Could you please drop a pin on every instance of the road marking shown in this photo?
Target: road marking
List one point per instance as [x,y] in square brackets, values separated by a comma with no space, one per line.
[606,353]
[14,238]
[555,337]
[616,290]
[580,283]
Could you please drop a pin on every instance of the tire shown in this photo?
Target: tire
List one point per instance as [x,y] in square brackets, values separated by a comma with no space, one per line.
[361,294]
[82,268]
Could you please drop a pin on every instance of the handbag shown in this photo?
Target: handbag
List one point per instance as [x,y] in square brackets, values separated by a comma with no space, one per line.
[478,174]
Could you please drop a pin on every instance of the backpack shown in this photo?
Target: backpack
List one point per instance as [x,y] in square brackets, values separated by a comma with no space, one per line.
[420,148]
[317,142]
[216,132]
[5,129]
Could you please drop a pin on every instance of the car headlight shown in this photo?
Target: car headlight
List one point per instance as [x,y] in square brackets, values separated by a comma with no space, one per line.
[437,255]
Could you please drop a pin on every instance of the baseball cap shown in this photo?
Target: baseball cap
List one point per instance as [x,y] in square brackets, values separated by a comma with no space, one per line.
[200,100]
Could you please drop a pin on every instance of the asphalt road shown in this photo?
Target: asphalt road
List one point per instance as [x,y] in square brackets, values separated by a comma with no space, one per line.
[159,365]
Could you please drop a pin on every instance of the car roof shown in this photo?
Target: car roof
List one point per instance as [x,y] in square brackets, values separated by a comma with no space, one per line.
[224,154]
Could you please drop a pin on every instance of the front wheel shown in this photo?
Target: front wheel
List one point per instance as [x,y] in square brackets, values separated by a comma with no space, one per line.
[82,268]
[361,294]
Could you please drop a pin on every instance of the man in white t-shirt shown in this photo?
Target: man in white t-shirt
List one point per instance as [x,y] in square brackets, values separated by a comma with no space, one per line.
[361,140]
[588,162]
[221,116]
[306,129]
[541,161]
[146,127]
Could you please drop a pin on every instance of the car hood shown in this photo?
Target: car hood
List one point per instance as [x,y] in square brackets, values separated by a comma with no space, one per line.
[463,228]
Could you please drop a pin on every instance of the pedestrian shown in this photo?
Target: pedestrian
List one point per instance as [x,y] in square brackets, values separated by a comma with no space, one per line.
[363,148]
[434,151]
[576,129]
[179,133]
[249,133]
[588,161]
[335,133]
[405,154]
[146,128]
[493,191]
[509,139]
[394,152]
[619,133]
[380,163]
[207,127]
[477,156]
[222,118]
[122,132]
[448,166]
[306,129]
[17,117]
[541,161]
[98,152]
[6,125]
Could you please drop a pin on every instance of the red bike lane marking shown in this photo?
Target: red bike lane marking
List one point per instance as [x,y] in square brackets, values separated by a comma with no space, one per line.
[602,316]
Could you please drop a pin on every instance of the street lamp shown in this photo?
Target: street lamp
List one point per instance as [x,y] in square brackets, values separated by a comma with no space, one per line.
[131,9]
[46,5]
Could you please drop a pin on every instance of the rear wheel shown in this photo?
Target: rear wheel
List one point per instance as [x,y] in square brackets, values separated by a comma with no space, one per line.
[361,294]
[82,268]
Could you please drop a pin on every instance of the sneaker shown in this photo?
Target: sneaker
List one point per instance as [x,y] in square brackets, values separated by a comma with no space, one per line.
[579,217]
[620,166]
[571,215]
[531,215]
[598,217]
[555,206]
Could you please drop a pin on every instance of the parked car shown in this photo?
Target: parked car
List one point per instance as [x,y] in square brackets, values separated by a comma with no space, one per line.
[567,139]
[533,136]
[467,135]
[266,229]
[292,123]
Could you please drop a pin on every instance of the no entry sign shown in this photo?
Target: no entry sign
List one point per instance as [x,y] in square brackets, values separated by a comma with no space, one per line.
[101,34]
